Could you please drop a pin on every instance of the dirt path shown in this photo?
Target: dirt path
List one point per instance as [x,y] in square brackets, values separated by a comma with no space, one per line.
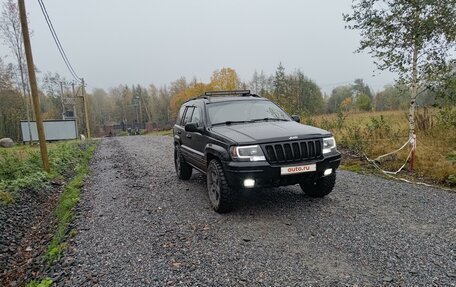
[140,226]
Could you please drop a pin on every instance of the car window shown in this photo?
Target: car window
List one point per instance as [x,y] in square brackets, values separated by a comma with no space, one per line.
[179,116]
[196,117]
[244,111]
[188,115]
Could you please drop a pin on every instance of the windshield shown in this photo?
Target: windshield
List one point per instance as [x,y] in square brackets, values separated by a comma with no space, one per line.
[245,111]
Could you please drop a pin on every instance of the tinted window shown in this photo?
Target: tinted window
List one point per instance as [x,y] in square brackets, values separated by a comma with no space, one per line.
[180,114]
[188,115]
[196,118]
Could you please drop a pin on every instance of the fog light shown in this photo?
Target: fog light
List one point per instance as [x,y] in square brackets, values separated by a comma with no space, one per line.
[249,182]
[328,171]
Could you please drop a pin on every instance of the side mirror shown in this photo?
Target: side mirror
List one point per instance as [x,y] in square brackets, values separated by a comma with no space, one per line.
[193,128]
[296,118]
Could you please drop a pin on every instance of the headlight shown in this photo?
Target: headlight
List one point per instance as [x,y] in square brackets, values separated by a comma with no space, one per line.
[329,145]
[247,153]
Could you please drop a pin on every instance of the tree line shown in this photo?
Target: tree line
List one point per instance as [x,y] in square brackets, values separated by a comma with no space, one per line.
[134,105]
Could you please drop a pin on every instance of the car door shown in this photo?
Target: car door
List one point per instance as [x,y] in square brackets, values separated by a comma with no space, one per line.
[178,128]
[197,140]
[186,143]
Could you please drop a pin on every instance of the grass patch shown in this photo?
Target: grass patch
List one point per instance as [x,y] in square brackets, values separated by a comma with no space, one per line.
[67,202]
[353,166]
[43,283]
[6,197]
[452,156]
[21,167]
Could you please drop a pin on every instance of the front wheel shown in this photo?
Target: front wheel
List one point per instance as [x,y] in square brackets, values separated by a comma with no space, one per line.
[183,169]
[320,187]
[221,195]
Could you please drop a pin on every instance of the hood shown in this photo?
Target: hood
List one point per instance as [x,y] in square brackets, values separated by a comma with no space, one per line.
[266,132]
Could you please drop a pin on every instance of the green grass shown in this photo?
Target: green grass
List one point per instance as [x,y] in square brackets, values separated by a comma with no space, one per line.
[6,197]
[65,208]
[43,283]
[21,168]
[353,166]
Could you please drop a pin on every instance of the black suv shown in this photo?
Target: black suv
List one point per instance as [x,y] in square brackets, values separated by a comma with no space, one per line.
[241,140]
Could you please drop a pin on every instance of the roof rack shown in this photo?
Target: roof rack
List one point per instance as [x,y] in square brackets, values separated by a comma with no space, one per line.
[208,95]
[226,93]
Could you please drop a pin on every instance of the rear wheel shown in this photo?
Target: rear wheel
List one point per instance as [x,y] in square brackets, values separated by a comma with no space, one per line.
[221,195]
[183,169]
[320,187]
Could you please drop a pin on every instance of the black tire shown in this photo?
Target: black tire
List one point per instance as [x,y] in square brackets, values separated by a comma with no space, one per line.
[319,188]
[221,196]
[183,169]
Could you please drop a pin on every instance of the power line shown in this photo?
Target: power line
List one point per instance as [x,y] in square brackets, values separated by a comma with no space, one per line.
[57,41]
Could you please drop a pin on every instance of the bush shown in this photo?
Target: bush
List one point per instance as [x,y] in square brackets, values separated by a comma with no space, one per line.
[340,122]
[446,117]
[378,128]
[353,139]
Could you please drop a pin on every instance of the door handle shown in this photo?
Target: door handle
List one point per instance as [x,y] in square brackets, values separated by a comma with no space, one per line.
[189,136]
[179,132]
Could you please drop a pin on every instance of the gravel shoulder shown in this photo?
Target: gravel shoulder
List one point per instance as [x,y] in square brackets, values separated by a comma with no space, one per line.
[26,227]
[138,225]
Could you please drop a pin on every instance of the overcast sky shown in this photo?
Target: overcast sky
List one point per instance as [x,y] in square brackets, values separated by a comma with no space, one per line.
[112,42]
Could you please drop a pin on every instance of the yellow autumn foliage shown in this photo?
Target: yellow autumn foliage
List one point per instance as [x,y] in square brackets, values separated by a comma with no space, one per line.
[192,91]
[224,79]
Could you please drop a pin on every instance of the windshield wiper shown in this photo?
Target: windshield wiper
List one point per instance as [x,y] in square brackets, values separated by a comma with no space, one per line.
[269,119]
[229,123]
[249,121]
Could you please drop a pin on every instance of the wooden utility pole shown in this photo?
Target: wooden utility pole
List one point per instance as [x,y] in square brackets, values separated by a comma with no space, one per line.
[62,100]
[86,111]
[140,112]
[73,95]
[33,85]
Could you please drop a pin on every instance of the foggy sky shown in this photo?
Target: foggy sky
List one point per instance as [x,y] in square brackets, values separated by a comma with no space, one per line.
[112,42]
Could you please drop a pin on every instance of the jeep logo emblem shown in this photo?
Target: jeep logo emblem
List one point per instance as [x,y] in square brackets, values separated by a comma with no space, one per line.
[293,138]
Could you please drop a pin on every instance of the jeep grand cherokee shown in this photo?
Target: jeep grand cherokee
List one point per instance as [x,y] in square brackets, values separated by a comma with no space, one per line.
[242,141]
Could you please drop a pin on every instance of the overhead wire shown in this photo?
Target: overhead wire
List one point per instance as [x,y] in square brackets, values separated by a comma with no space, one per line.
[57,41]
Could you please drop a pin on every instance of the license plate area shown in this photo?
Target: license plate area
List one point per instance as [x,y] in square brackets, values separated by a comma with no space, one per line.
[286,170]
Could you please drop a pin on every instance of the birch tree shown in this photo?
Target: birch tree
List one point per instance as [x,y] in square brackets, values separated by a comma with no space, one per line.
[413,38]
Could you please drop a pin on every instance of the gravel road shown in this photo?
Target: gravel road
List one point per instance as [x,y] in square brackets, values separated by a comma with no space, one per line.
[138,225]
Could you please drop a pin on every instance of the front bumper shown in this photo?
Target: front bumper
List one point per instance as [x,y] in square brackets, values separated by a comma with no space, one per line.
[267,175]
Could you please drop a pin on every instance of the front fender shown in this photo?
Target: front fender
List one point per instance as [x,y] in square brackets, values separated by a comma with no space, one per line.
[217,151]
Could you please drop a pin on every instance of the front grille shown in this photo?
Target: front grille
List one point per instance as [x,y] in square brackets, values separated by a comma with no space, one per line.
[294,151]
